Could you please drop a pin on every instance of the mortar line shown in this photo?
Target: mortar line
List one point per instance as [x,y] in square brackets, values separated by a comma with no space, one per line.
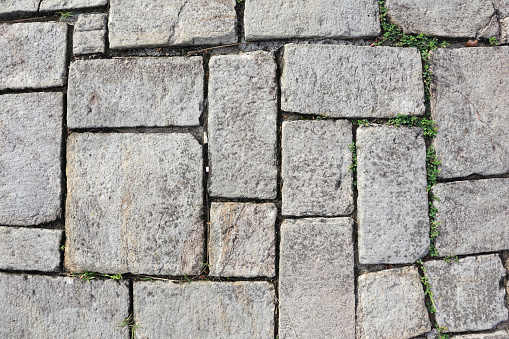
[355,232]
[206,201]
[239,10]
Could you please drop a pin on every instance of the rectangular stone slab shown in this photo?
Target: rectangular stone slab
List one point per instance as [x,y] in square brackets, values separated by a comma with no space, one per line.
[52,5]
[131,92]
[494,335]
[204,310]
[392,202]
[351,81]
[316,279]
[134,204]
[17,7]
[36,306]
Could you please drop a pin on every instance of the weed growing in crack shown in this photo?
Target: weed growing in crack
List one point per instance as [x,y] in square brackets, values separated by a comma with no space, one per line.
[363,122]
[494,41]
[430,304]
[65,15]
[86,276]
[117,276]
[353,166]
[130,324]
[441,334]
[427,125]
[451,258]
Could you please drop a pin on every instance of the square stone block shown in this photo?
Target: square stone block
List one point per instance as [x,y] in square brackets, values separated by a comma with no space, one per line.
[89,34]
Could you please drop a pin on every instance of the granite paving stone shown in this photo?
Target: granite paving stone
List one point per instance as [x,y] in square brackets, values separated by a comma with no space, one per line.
[315,168]
[352,81]
[30,158]
[316,279]
[473,216]
[242,125]
[469,104]
[391,304]
[393,201]
[494,335]
[201,310]
[134,204]
[53,5]
[32,7]
[89,34]
[242,240]
[47,307]
[18,7]
[33,55]
[467,294]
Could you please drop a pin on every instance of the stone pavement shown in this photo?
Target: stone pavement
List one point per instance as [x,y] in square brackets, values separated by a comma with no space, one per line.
[254,169]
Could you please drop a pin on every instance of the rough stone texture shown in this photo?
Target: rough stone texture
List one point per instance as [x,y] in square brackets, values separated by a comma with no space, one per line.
[135,23]
[467,294]
[17,7]
[393,202]
[59,307]
[352,81]
[134,203]
[89,34]
[316,279]
[469,103]
[242,126]
[316,159]
[242,240]
[283,19]
[33,55]
[204,309]
[30,158]
[391,304]
[504,30]
[453,18]
[494,335]
[135,92]
[473,216]
[53,5]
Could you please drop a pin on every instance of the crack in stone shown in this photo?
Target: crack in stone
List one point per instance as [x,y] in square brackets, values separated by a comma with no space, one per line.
[172,28]
[39,6]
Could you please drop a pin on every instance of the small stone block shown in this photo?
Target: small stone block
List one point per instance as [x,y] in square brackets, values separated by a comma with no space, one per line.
[494,335]
[89,34]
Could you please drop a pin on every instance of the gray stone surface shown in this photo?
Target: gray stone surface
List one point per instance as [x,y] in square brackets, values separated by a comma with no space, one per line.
[30,158]
[351,81]
[316,159]
[494,335]
[469,103]
[242,126]
[473,216]
[16,7]
[204,309]
[89,34]
[316,279]
[453,18]
[504,30]
[392,202]
[391,304]
[134,92]
[134,204]
[53,5]
[242,240]
[283,19]
[468,295]
[134,23]
[59,307]
[33,55]
[29,249]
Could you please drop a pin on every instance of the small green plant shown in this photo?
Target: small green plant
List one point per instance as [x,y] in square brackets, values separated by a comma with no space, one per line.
[86,276]
[353,166]
[430,304]
[432,163]
[494,41]
[62,247]
[441,334]
[117,276]
[65,15]
[363,122]
[427,125]
[451,258]
[129,323]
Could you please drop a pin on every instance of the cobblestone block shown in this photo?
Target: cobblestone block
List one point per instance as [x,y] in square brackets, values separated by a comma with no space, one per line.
[134,204]
[393,202]
[473,216]
[30,158]
[53,5]
[204,309]
[316,279]
[242,240]
[33,55]
[60,307]
[469,103]
[17,7]
[467,294]
[494,335]
[89,34]
[242,126]
[135,92]
[316,159]
[134,23]
[391,304]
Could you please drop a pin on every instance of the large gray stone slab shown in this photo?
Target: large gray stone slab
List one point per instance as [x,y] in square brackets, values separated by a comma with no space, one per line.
[316,159]
[30,158]
[453,18]
[392,202]
[242,126]
[316,279]
[473,216]
[469,104]
[30,249]
[242,240]
[352,81]
[467,294]
[59,307]
[33,55]
[134,204]
[17,7]
[134,23]
[204,309]
[89,34]
[494,335]
[391,304]
[283,19]
[53,5]
[135,92]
